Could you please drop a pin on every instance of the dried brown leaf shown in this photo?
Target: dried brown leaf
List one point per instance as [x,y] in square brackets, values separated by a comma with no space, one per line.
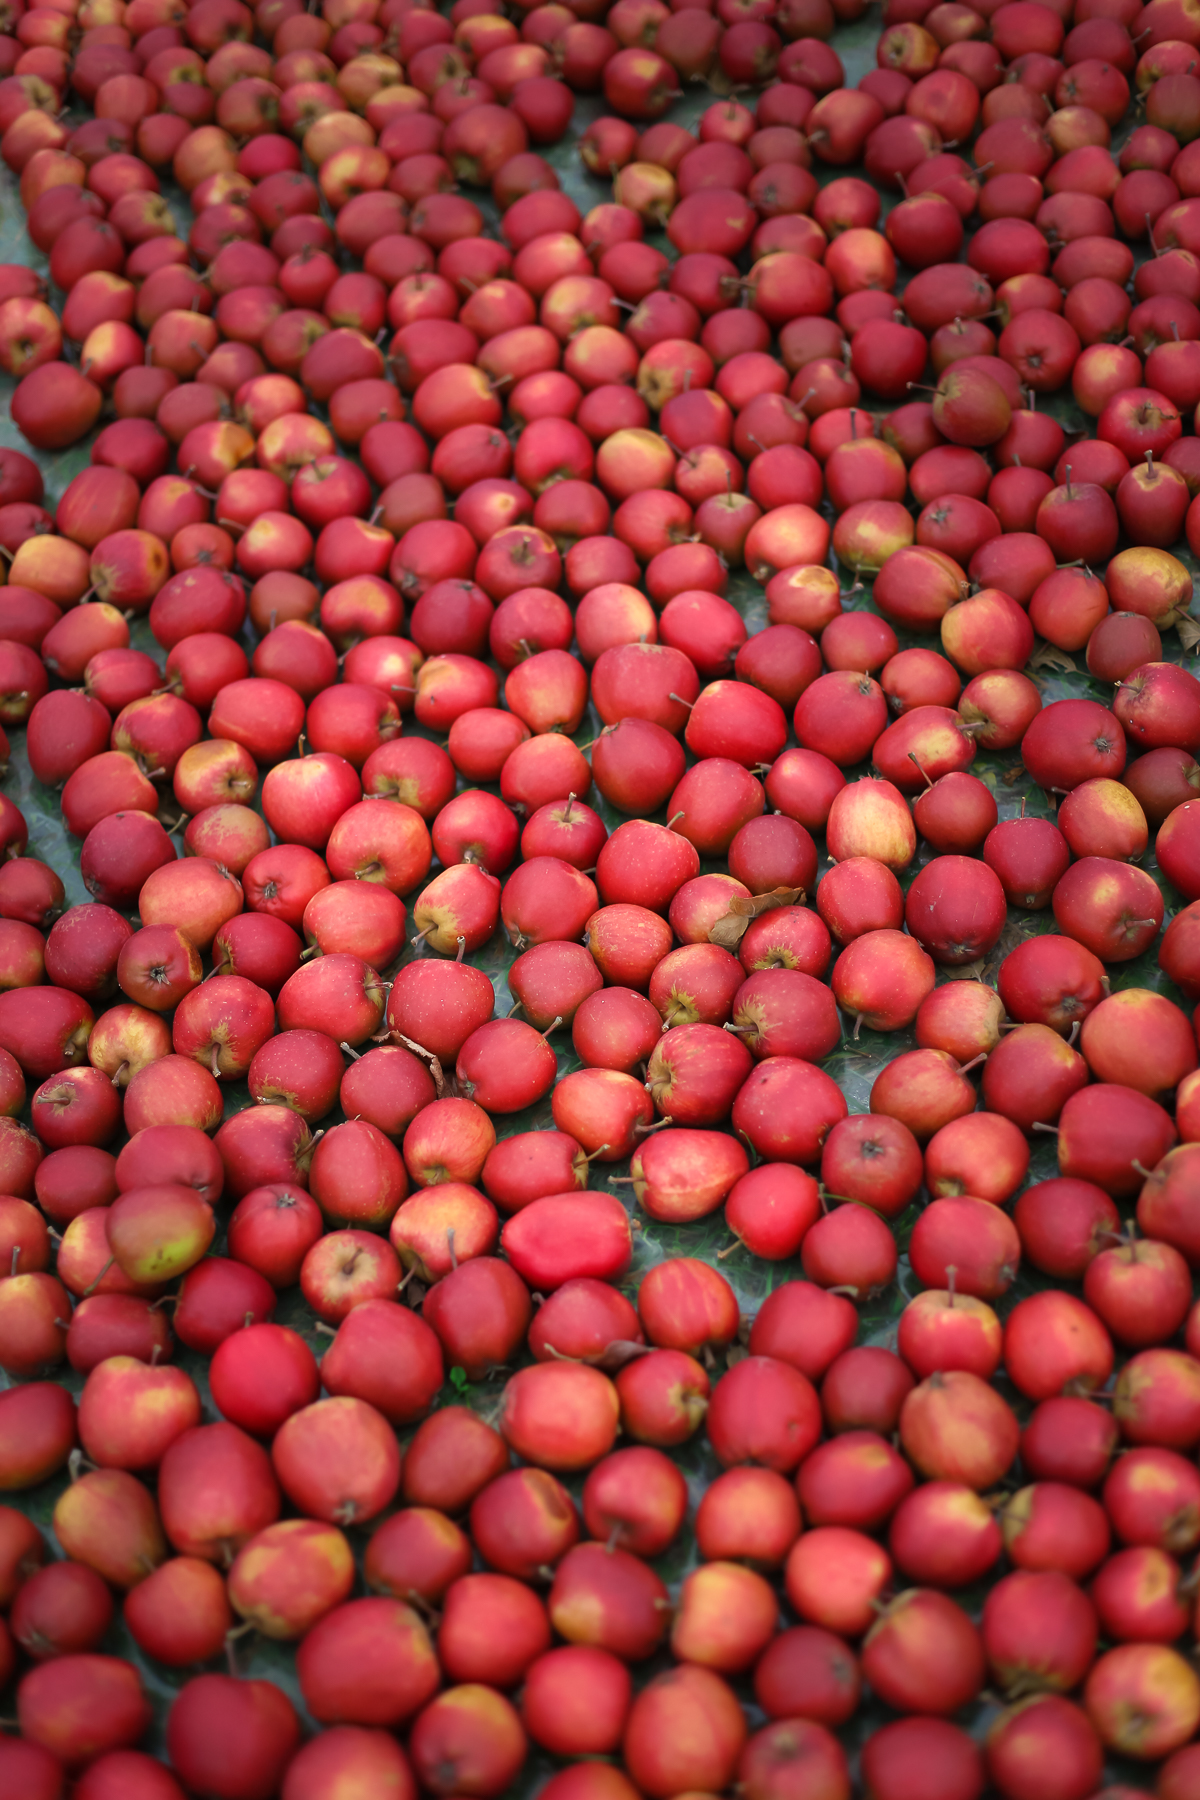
[615,1355]
[1049,656]
[730,929]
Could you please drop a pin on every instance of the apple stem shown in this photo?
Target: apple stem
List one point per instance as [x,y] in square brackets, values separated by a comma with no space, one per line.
[325,1330]
[430,1614]
[951,1272]
[688,703]
[214,1062]
[231,1638]
[858,1019]
[16,1257]
[599,1151]
[621,1181]
[916,762]
[450,1248]
[513,1010]
[672,819]
[567,808]
[354,1055]
[965,1068]
[462,948]
[641,1130]
[1050,1130]
[842,1199]
[1074,1033]
[1067,484]
[553,1026]
[100,1277]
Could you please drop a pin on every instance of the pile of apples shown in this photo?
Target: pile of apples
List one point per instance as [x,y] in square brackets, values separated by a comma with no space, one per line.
[412,474]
